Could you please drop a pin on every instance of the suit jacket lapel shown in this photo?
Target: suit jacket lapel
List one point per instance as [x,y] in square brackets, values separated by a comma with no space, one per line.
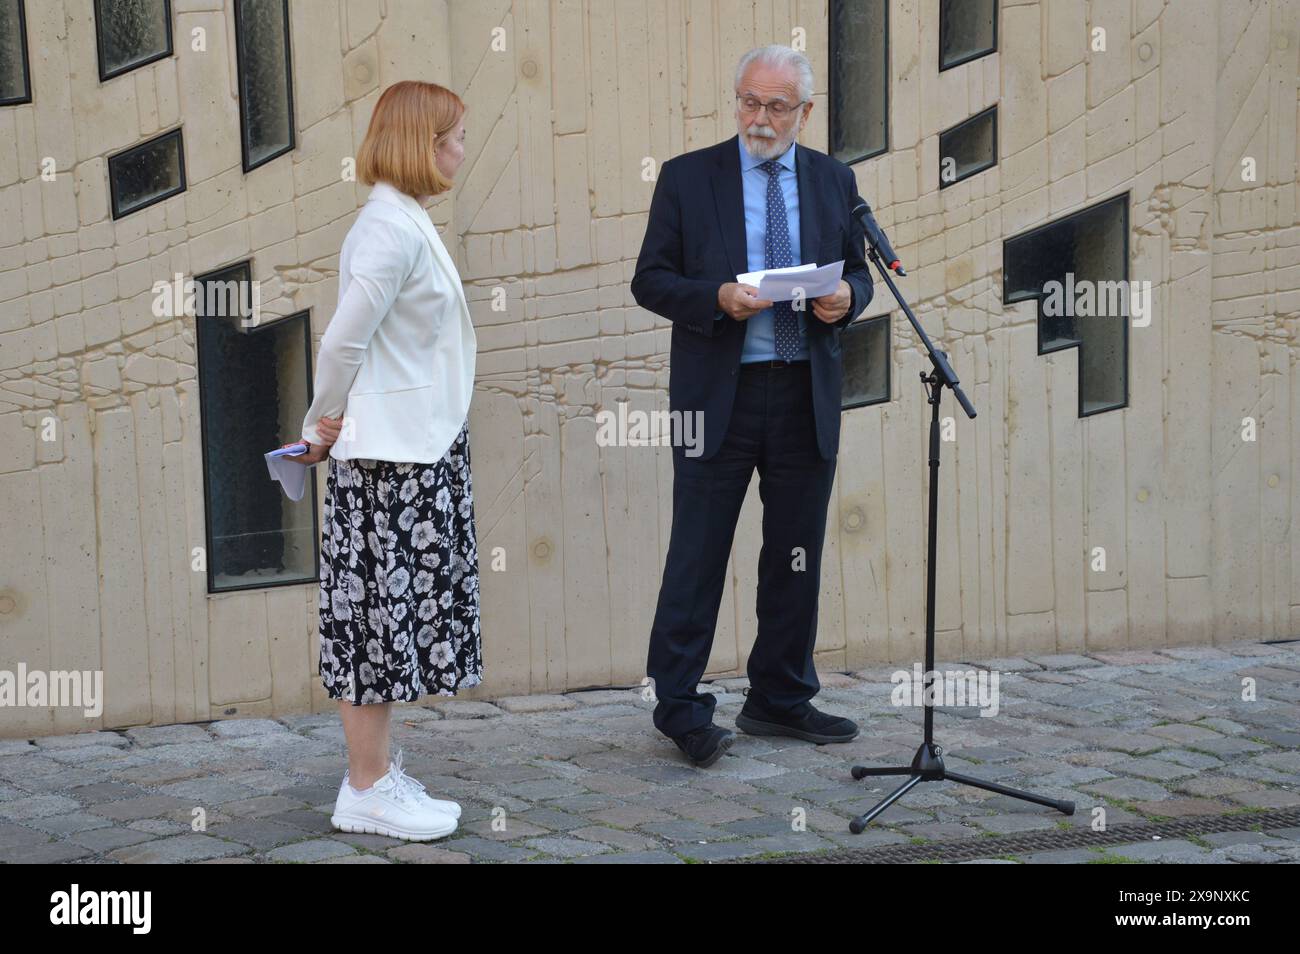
[809,207]
[730,201]
[728,194]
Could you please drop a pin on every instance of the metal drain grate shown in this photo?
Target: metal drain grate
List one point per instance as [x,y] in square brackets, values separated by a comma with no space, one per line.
[968,849]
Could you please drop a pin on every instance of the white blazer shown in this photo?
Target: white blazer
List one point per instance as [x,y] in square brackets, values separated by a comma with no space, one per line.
[397,359]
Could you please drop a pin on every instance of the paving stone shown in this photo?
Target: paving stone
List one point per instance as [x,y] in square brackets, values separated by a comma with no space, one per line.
[1221,839]
[1011,824]
[1165,851]
[1266,798]
[18,836]
[69,823]
[522,705]
[718,851]
[37,807]
[179,849]
[1157,770]
[1128,789]
[482,848]
[151,735]
[1131,657]
[244,728]
[1182,807]
[1004,664]
[315,849]
[423,853]
[79,740]
[465,709]
[260,834]
[566,847]
[1064,661]
[47,853]
[101,840]
[604,697]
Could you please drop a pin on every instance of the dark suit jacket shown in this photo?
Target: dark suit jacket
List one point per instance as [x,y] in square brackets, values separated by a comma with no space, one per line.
[695,241]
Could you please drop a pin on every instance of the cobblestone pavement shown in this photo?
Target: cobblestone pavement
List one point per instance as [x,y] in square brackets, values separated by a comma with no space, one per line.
[585,777]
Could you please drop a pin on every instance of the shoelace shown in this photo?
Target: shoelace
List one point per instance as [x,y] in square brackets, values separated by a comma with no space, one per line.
[403,782]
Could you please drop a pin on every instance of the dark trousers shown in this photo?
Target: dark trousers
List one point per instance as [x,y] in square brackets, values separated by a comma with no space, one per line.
[771,428]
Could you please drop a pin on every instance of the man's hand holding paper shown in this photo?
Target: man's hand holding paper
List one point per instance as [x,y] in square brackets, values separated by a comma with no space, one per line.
[782,284]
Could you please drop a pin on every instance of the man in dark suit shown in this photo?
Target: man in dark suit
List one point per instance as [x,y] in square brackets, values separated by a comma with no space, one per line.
[764,379]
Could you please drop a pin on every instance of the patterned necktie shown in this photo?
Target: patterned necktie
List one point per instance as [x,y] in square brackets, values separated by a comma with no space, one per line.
[776,253]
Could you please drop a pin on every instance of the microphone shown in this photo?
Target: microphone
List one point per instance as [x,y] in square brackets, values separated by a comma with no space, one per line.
[875,235]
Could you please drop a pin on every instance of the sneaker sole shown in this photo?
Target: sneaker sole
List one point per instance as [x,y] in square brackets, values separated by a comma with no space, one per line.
[374,828]
[751,726]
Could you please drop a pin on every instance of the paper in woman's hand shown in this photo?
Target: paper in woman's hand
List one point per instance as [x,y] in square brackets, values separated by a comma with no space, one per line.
[291,474]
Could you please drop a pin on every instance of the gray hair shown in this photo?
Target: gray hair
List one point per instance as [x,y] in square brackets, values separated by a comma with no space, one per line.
[782,57]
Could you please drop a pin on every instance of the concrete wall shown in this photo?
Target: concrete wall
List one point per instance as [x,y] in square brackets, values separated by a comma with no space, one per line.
[98,526]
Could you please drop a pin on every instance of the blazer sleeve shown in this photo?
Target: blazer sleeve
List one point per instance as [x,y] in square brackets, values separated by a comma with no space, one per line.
[381,259]
[660,284]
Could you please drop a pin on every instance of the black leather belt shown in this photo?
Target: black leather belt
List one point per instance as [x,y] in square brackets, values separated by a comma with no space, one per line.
[773,363]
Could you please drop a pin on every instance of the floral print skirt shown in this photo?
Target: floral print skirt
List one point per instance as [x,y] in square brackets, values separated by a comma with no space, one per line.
[399,594]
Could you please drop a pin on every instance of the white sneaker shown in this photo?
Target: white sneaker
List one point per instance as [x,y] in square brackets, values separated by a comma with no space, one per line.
[390,807]
[441,804]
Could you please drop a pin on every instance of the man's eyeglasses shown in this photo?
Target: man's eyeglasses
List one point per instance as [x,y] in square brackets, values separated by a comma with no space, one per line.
[777,108]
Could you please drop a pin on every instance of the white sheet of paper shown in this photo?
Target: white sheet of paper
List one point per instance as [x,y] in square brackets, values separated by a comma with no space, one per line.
[291,474]
[779,284]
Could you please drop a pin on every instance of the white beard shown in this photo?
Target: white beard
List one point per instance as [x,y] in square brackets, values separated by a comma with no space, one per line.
[765,148]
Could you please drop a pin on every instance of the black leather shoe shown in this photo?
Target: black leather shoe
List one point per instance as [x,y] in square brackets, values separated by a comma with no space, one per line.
[705,745]
[805,723]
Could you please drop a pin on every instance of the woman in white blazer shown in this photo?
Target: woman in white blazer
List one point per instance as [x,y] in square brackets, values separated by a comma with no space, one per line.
[399,605]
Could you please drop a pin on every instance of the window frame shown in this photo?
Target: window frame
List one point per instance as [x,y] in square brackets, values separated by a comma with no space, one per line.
[978,54]
[26,96]
[239,85]
[830,88]
[181,186]
[170,49]
[1123,199]
[305,315]
[951,130]
[862,323]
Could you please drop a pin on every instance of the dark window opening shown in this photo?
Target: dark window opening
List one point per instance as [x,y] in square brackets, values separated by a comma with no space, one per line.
[968,148]
[148,173]
[265,80]
[15,74]
[858,101]
[254,390]
[1079,264]
[968,29]
[131,33]
[866,355]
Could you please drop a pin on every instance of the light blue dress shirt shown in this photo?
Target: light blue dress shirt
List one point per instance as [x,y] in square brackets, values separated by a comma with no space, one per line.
[760,343]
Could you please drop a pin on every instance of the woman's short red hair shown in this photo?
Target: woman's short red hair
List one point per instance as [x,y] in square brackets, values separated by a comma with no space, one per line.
[410,119]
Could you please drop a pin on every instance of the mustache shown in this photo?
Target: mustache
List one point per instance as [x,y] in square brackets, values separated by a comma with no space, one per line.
[765,132]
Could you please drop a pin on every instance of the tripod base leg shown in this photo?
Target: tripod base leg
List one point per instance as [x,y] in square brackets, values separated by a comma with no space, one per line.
[860,772]
[1065,807]
[858,824]
[927,766]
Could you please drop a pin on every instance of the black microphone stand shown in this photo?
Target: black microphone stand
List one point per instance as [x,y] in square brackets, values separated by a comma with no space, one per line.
[927,765]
